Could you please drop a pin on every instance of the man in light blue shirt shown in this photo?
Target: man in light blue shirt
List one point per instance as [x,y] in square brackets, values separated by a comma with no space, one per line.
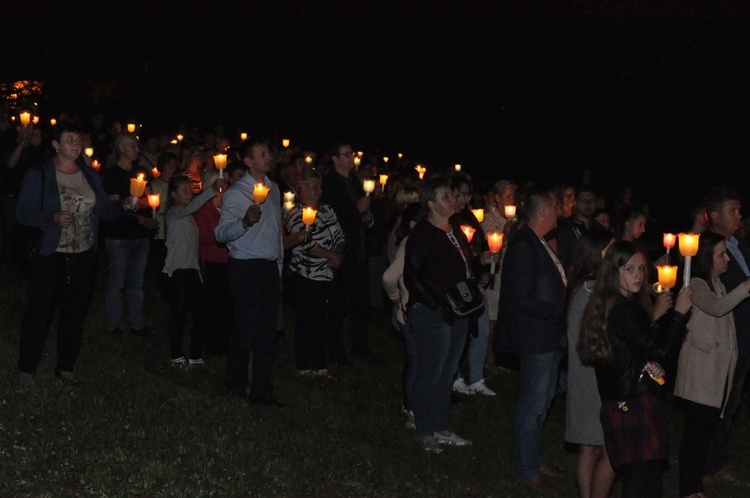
[252,232]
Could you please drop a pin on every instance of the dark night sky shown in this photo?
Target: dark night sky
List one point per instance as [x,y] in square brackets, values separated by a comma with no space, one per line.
[642,94]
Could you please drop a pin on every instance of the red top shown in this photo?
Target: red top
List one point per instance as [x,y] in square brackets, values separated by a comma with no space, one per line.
[207,217]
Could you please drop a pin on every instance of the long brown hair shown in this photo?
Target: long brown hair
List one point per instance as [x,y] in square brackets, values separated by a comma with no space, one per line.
[594,346]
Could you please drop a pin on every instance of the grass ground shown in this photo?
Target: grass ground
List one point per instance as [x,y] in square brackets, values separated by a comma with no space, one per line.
[142,428]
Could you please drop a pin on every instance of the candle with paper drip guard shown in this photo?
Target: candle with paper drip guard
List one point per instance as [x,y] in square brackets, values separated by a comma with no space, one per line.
[457,167]
[357,161]
[285,142]
[52,121]
[495,241]
[368,186]
[131,127]
[385,159]
[220,161]
[243,136]
[478,214]
[308,217]
[89,151]
[288,206]
[308,160]
[35,120]
[260,192]
[289,196]
[137,187]
[510,213]
[179,138]
[153,202]
[688,243]
[383,182]
[667,278]
[468,230]
[25,118]
[96,164]
[155,172]
[668,241]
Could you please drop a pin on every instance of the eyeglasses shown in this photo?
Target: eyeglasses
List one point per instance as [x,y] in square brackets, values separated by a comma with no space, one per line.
[346,154]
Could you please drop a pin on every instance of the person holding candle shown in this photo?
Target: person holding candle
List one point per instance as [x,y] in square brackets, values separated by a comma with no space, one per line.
[626,340]
[316,252]
[343,192]
[502,193]
[707,359]
[127,241]
[167,165]
[66,200]
[723,209]
[256,253]
[437,257]
[181,264]
[582,220]
[479,326]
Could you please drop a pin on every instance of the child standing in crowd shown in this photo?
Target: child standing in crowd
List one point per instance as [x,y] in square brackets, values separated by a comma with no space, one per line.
[182,260]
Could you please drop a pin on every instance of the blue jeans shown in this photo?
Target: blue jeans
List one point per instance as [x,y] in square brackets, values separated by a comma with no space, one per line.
[438,347]
[127,267]
[477,350]
[536,389]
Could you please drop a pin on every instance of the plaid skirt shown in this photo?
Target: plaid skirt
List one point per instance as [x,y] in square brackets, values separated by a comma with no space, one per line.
[635,429]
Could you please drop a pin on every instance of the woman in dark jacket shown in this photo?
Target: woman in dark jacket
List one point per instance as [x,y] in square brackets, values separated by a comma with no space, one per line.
[65,199]
[626,342]
[437,257]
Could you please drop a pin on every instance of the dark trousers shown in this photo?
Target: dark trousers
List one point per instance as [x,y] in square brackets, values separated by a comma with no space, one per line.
[184,287]
[700,425]
[311,304]
[254,284]
[63,281]
[215,313]
[718,451]
[351,295]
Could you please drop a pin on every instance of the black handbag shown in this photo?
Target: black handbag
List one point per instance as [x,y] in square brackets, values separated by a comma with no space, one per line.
[465,298]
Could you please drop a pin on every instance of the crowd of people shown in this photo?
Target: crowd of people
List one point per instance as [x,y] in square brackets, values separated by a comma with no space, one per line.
[568,299]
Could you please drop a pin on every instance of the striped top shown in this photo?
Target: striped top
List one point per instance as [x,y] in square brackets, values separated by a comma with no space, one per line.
[326,232]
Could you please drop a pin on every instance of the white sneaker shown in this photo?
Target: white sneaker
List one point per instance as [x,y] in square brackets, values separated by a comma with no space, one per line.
[452,440]
[179,362]
[410,420]
[479,387]
[460,386]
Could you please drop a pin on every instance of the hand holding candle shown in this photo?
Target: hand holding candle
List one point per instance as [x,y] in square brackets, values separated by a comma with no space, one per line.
[667,277]
[495,241]
[260,192]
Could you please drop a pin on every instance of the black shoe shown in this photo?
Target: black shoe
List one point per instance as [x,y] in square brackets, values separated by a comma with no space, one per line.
[145,332]
[116,331]
[68,379]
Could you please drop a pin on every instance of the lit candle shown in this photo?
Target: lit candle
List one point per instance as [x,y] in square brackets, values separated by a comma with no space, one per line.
[153,202]
[688,243]
[308,216]
[667,276]
[360,154]
[308,159]
[96,164]
[220,161]
[25,118]
[137,187]
[35,120]
[52,121]
[89,151]
[383,182]
[357,162]
[421,170]
[243,136]
[155,172]
[285,142]
[458,167]
[385,159]
[131,127]
[173,141]
[495,241]
[368,186]
[288,206]
[668,241]
[179,138]
[468,231]
[288,196]
[479,214]
[400,155]
[260,192]
[510,212]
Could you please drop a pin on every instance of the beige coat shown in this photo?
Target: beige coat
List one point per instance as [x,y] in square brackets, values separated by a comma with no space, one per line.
[709,350]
